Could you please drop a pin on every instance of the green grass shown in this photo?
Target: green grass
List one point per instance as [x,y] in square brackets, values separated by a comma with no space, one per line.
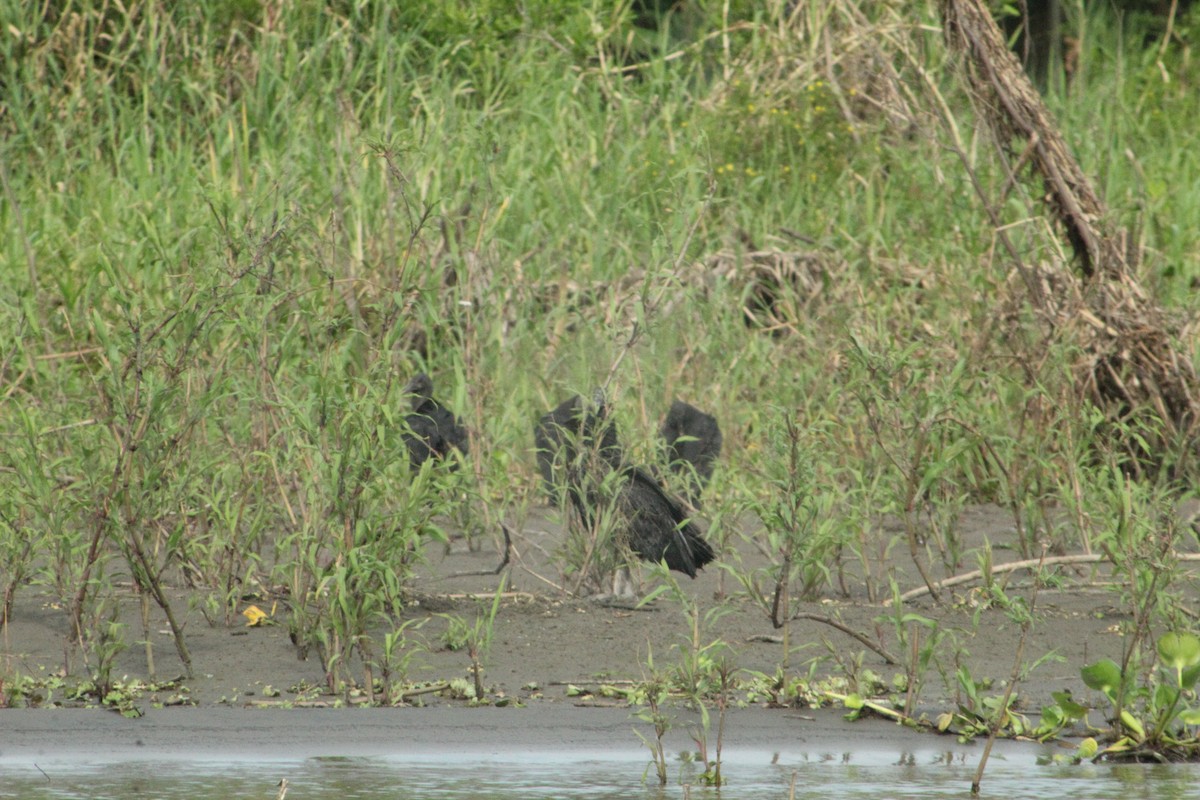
[234,232]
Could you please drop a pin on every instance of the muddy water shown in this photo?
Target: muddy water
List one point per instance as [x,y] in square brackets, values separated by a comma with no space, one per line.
[749,774]
[541,751]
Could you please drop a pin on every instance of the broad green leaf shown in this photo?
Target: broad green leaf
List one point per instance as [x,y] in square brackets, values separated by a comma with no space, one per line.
[1189,677]
[1190,716]
[1104,675]
[1070,708]
[1179,650]
[1052,719]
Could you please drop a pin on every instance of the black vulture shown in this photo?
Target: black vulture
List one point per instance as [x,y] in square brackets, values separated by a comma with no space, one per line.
[432,428]
[657,528]
[579,449]
[565,438]
[693,444]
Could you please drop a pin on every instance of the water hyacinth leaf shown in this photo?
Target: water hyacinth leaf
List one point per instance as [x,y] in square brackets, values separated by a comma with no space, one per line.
[1104,676]
[1190,716]
[1121,745]
[1070,708]
[1189,677]
[1179,650]
[1052,718]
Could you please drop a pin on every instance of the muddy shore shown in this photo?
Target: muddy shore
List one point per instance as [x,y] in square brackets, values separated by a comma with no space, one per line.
[546,647]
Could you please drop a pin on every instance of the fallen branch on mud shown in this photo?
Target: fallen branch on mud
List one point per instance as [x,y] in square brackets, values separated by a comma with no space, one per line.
[1012,566]
[489,596]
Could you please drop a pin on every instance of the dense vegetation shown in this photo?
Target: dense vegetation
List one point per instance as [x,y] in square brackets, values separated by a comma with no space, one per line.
[235,229]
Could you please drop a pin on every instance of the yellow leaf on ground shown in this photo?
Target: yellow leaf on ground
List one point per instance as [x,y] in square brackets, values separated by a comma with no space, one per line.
[255,616]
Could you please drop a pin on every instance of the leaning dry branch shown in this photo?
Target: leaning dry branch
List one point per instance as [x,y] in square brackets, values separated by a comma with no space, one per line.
[1015,110]
[860,637]
[1131,368]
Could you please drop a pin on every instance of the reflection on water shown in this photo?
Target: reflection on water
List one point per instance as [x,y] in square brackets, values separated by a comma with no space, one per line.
[617,774]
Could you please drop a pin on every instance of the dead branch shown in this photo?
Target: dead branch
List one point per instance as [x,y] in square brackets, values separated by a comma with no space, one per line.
[1012,566]
[861,638]
[1132,369]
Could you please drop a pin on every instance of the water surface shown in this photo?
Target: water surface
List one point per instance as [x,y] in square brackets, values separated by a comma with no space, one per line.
[927,773]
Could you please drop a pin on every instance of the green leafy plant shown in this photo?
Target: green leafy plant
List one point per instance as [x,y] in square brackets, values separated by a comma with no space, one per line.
[396,653]
[1155,720]
[651,697]
[703,676]
[920,638]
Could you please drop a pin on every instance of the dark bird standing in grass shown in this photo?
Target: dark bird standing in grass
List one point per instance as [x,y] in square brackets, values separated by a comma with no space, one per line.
[432,428]
[693,444]
[579,450]
[565,437]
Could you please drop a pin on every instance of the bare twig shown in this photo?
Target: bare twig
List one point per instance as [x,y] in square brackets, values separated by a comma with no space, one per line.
[504,561]
[860,637]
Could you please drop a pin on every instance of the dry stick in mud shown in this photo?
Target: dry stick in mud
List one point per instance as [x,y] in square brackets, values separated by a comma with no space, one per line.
[833,623]
[1013,566]
[1132,363]
[862,638]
